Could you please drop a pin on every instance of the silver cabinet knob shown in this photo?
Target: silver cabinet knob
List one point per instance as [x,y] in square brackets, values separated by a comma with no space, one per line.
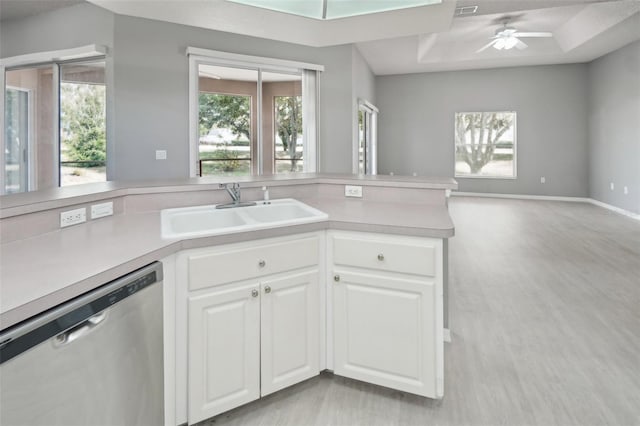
[254,293]
[336,278]
[262,263]
[381,257]
[267,289]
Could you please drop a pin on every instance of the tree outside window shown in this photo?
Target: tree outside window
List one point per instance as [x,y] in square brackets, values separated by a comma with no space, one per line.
[83,140]
[288,141]
[485,144]
[225,134]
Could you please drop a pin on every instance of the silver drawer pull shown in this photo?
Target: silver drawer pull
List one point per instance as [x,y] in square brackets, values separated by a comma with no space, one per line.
[267,289]
[336,278]
[254,293]
[381,257]
[262,263]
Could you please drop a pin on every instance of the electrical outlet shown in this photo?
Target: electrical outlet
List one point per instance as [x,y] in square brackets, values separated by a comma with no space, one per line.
[611,185]
[73,217]
[353,191]
[161,155]
[101,210]
[625,190]
[543,179]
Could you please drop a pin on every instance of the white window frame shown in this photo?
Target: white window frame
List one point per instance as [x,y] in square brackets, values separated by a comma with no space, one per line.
[53,57]
[199,56]
[370,112]
[515,147]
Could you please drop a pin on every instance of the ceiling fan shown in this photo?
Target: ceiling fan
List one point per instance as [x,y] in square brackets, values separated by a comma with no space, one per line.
[508,37]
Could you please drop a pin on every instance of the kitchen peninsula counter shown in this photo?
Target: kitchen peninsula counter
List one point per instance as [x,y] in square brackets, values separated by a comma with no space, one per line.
[39,271]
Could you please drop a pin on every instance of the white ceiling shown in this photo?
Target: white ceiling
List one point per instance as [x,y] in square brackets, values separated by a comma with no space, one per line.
[419,39]
[582,31]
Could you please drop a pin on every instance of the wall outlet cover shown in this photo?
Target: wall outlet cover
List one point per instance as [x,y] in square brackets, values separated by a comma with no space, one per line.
[543,179]
[73,217]
[353,191]
[101,210]
[161,155]
[611,186]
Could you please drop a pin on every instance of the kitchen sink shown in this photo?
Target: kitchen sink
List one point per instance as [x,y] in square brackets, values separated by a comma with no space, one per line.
[200,221]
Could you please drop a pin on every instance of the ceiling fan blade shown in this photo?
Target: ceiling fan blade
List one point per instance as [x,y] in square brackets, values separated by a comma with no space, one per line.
[521,45]
[538,34]
[486,46]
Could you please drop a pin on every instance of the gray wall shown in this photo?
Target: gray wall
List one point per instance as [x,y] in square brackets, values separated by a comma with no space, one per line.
[151,94]
[147,72]
[62,29]
[614,128]
[416,131]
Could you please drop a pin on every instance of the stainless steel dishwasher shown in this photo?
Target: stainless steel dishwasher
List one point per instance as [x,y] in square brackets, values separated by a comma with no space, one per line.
[96,360]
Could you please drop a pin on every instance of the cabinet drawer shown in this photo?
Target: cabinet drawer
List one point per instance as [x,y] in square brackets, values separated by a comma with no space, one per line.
[229,264]
[408,256]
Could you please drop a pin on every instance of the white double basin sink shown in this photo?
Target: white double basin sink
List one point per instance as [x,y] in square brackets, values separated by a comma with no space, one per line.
[200,221]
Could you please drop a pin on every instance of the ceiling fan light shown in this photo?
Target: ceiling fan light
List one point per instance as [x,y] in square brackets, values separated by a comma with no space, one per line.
[510,42]
[500,44]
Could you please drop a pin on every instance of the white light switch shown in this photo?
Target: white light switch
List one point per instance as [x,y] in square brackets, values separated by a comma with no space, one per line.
[101,210]
[161,154]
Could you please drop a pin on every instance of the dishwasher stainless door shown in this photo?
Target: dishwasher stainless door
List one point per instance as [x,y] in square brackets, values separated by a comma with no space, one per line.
[96,360]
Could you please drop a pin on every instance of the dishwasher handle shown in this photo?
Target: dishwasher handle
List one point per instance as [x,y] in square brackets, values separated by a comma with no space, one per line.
[76,332]
[72,316]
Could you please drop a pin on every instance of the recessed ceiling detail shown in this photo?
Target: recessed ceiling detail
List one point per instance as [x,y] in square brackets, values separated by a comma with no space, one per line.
[334,9]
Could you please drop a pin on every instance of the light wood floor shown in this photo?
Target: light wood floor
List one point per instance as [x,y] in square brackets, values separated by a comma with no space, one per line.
[545,321]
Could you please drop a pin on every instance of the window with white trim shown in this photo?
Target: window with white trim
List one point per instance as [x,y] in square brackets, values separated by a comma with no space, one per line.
[251,115]
[367,138]
[485,144]
[54,134]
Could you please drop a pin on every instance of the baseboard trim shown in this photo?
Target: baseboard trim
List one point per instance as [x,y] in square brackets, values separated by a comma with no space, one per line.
[618,210]
[615,209]
[447,335]
[521,196]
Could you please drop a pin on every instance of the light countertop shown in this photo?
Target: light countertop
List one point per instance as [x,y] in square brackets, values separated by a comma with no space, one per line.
[39,272]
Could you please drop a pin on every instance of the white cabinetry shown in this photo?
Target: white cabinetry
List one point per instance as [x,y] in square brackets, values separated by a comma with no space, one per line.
[224,351]
[289,324]
[253,321]
[388,310]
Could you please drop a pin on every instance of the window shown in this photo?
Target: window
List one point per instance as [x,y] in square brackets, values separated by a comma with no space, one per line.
[367,139]
[251,115]
[485,144]
[55,122]
[83,132]
[17,134]
[288,150]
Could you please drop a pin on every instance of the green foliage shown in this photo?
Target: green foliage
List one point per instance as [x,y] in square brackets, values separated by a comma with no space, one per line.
[289,125]
[225,111]
[83,122]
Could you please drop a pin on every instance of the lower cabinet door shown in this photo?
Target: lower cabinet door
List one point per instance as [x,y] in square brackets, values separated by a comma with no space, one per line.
[224,351]
[290,330]
[387,331]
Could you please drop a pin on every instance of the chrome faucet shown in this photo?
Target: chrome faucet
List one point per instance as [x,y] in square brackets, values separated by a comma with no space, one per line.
[234,193]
